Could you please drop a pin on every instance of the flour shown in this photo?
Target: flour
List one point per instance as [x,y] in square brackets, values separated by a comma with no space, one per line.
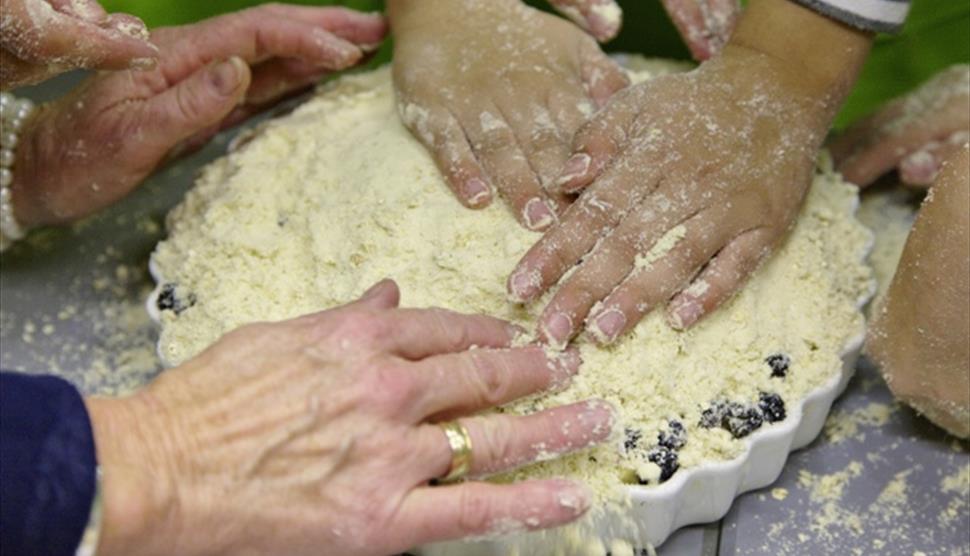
[324,202]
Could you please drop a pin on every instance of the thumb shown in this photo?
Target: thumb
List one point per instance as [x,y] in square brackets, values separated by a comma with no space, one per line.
[199,101]
[382,295]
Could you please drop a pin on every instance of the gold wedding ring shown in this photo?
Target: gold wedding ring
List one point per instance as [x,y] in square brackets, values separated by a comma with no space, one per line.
[461,450]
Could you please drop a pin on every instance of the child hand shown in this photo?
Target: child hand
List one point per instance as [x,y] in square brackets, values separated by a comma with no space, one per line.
[914,133]
[495,91]
[690,181]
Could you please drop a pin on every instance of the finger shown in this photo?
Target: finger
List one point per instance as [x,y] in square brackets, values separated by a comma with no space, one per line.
[382,295]
[253,39]
[598,142]
[597,211]
[923,166]
[637,239]
[418,333]
[601,18]
[502,158]
[86,10]
[475,509]
[601,75]
[445,139]
[278,78]
[198,102]
[503,442]
[366,30]
[655,282]
[545,145]
[477,379]
[70,41]
[705,25]
[934,112]
[720,280]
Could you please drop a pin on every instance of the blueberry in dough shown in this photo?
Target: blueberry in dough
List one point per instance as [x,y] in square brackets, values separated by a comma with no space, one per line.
[779,364]
[772,407]
[674,437]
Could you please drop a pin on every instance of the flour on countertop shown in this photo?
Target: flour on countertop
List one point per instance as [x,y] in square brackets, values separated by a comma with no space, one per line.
[325,202]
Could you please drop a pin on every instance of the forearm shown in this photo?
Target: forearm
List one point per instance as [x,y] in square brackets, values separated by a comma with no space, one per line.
[820,58]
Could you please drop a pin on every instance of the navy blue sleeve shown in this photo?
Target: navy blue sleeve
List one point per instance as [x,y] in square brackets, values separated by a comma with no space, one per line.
[47,466]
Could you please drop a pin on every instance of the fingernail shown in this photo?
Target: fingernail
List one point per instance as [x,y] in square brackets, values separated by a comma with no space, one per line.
[574,497]
[369,47]
[607,326]
[605,20]
[523,285]
[477,192]
[226,76]
[558,329]
[340,53]
[576,166]
[602,416]
[537,214]
[684,313]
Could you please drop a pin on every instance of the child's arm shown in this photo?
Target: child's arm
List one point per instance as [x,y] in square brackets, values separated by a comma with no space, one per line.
[691,180]
[920,335]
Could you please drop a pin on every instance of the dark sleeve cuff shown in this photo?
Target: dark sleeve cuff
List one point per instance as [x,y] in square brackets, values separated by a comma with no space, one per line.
[47,466]
[877,16]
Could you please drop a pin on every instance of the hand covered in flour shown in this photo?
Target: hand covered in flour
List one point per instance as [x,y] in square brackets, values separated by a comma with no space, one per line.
[688,181]
[495,90]
[317,434]
[920,331]
[705,25]
[913,134]
[91,148]
[41,38]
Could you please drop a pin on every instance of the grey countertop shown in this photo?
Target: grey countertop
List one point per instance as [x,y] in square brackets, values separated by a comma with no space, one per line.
[879,480]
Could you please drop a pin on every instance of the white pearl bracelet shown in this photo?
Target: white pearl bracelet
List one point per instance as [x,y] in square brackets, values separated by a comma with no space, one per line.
[14,113]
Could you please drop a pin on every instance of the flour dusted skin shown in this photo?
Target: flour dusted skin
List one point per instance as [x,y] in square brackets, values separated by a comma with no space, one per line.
[328,200]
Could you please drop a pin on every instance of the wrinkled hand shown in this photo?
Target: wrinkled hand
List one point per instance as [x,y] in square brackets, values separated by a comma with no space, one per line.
[692,173]
[705,25]
[913,134]
[42,38]
[495,91]
[91,148]
[314,436]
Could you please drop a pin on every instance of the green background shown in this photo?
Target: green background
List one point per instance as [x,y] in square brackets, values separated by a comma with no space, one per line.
[936,35]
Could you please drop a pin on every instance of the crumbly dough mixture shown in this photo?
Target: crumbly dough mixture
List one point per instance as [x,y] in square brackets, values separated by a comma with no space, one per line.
[326,201]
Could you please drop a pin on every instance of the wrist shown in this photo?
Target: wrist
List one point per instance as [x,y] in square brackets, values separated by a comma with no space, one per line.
[138,494]
[813,57]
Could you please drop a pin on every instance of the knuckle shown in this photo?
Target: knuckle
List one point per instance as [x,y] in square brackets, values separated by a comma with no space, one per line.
[474,511]
[497,139]
[494,447]
[362,329]
[455,336]
[389,386]
[490,378]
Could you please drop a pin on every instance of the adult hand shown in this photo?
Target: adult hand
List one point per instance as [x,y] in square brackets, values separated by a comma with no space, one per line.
[705,25]
[495,91]
[913,134]
[316,435]
[42,38]
[91,148]
[703,170]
